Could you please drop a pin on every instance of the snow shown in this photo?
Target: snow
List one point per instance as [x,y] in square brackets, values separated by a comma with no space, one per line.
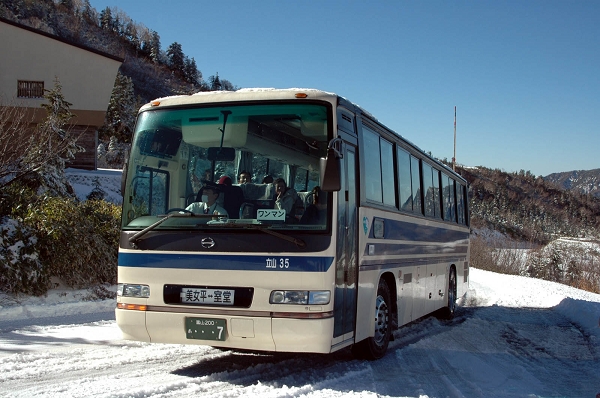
[512,337]
[84,181]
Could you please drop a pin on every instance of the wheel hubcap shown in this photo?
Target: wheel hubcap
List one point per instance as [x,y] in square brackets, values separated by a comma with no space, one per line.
[381,320]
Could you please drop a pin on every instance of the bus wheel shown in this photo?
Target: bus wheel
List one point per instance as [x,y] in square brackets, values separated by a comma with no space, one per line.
[451,306]
[376,346]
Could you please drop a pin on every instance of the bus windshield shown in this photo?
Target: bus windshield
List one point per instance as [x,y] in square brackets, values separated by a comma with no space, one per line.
[229,166]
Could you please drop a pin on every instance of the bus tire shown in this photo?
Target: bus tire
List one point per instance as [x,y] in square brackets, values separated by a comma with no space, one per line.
[375,347]
[449,310]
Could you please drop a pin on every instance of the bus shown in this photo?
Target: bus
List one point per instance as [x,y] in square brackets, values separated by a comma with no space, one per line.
[284,220]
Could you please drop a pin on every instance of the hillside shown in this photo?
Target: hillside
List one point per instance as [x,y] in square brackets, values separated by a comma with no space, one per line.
[583,181]
[528,208]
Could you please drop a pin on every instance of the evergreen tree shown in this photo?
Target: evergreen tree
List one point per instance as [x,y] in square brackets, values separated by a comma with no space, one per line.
[175,59]
[214,83]
[192,74]
[151,47]
[131,35]
[61,145]
[106,20]
[121,112]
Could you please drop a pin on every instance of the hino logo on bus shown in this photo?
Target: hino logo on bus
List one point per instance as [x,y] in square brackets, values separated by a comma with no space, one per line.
[207,243]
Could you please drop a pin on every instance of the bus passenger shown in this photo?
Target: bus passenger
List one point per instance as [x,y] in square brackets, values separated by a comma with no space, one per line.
[267,179]
[315,213]
[285,198]
[244,177]
[208,205]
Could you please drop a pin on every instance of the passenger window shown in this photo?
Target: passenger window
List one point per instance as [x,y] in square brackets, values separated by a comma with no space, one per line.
[428,191]
[437,201]
[460,203]
[387,173]
[372,167]
[448,192]
[415,173]
[431,189]
[404,180]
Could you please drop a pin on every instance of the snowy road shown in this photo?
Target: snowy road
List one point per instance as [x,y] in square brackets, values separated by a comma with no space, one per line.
[512,337]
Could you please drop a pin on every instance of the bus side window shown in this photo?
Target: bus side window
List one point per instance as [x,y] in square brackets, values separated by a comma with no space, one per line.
[415,173]
[460,203]
[404,183]
[448,194]
[373,166]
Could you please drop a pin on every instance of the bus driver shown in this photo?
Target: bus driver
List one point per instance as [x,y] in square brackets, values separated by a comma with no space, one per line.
[208,205]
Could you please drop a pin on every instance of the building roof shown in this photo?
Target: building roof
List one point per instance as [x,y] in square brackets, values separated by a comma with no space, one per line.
[54,37]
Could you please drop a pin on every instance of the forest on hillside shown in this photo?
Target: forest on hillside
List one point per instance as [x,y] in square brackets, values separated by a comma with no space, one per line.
[529,208]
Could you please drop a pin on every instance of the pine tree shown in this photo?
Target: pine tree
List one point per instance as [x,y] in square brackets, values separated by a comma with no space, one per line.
[175,59]
[152,47]
[121,112]
[61,145]
[106,19]
[214,83]
[192,74]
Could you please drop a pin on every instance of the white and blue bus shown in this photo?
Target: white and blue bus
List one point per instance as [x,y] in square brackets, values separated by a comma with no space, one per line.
[286,221]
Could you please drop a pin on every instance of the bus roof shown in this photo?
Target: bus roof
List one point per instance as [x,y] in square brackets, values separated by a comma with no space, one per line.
[246,94]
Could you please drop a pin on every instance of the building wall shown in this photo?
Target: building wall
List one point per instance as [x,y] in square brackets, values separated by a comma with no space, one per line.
[87,76]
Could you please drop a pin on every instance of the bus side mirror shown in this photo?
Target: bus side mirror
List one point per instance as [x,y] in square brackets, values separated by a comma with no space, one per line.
[330,171]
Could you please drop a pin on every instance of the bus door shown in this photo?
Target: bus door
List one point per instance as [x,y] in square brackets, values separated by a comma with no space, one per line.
[346,276]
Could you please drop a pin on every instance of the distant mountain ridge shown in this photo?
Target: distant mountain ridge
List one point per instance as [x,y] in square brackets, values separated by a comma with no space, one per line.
[582,181]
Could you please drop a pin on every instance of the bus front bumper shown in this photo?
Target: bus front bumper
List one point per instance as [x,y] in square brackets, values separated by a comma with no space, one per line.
[260,333]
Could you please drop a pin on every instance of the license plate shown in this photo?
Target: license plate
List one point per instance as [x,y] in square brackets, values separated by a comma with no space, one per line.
[207,296]
[206,329]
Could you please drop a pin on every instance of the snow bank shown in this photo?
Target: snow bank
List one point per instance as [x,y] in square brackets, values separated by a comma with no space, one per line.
[488,288]
[84,182]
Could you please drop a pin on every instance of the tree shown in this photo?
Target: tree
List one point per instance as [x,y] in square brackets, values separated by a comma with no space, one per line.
[192,74]
[106,20]
[43,149]
[151,46]
[121,112]
[175,59]
[214,83]
[60,142]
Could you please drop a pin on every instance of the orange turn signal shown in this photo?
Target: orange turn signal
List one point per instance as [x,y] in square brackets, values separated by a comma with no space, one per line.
[301,95]
[134,307]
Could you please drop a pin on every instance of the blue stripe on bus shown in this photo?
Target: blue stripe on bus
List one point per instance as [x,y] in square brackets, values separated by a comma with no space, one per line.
[402,230]
[392,249]
[225,262]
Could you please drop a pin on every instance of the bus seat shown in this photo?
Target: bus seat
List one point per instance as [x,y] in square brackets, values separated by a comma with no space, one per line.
[247,210]
[233,197]
[299,206]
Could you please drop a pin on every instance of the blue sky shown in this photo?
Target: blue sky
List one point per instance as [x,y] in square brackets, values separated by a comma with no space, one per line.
[524,75]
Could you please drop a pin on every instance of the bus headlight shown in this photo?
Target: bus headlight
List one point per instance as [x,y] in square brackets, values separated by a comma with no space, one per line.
[305,297]
[132,290]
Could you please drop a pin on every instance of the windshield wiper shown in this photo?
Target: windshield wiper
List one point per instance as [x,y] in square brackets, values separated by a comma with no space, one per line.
[137,236]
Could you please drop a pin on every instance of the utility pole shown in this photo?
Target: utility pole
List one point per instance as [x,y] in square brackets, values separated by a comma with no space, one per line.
[454,157]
